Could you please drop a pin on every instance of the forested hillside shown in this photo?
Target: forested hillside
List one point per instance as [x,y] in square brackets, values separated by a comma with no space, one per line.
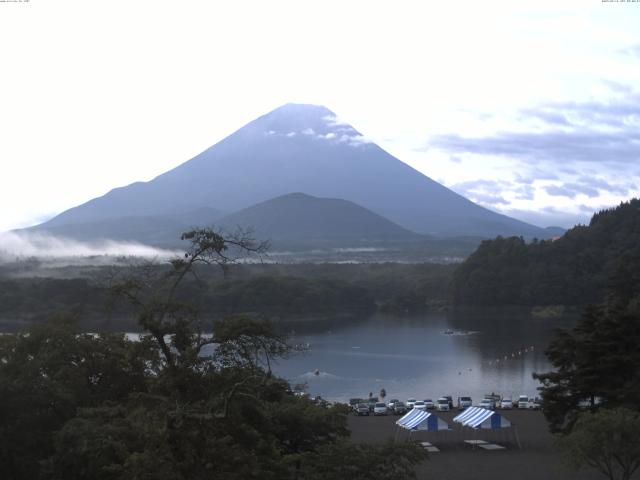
[280,292]
[572,270]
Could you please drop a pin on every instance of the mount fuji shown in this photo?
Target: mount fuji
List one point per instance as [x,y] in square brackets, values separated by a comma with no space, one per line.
[294,148]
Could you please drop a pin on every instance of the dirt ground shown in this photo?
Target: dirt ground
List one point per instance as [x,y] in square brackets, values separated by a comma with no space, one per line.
[537,459]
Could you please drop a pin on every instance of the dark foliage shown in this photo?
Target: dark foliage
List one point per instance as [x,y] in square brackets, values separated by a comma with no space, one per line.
[39,298]
[286,296]
[289,292]
[606,441]
[47,375]
[572,270]
[597,363]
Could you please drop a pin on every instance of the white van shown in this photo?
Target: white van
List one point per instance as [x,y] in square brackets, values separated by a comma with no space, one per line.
[442,405]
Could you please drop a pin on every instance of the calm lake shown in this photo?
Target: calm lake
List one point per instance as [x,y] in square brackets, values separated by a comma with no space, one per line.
[457,353]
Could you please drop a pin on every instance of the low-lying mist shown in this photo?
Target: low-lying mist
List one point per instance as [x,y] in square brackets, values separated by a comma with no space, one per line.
[60,251]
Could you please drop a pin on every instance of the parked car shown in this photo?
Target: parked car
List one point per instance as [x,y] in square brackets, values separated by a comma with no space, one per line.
[399,408]
[362,409]
[429,403]
[442,405]
[506,403]
[495,399]
[536,404]
[380,408]
[410,403]
[392,403]
[487,403]
[523,401]
[450,400]
[353,402]
[420,405]
[464,402]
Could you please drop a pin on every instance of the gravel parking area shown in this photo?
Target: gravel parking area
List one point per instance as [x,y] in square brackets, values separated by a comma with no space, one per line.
[537,460]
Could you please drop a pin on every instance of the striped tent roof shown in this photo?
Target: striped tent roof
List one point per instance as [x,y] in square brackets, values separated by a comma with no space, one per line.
[480,417]
[420,420]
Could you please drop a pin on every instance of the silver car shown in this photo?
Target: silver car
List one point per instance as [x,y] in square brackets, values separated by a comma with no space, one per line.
[380,409]
[420,405]
[399,408]
[506,403]
[487,403]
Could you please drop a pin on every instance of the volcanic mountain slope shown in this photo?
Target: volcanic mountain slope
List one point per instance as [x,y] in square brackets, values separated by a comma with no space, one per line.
[298,148]
[154,230]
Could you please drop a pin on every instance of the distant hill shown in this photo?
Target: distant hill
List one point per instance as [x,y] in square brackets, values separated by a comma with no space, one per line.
[297,221]
[572,270]
[295,148]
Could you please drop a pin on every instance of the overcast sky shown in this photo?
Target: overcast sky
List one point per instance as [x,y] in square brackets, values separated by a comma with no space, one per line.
[528,108]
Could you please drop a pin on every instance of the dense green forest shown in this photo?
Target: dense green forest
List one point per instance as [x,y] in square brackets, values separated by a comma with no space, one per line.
[288,292]
[572,270]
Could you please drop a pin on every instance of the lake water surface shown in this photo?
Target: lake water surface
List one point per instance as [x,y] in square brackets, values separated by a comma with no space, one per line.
[418,356]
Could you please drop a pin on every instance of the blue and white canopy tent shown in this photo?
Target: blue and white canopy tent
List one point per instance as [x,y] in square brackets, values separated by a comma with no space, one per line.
[422,421]
[481,418]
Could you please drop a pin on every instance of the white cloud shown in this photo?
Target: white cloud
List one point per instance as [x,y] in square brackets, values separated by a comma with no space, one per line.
[334,121]
[357,140]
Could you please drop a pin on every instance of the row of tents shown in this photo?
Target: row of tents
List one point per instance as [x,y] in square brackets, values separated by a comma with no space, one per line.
[477,418]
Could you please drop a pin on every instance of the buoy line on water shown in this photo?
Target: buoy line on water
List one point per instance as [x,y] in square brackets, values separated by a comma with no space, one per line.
[514,355]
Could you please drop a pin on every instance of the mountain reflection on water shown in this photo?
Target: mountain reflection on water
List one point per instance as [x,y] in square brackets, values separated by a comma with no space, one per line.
[459,352]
